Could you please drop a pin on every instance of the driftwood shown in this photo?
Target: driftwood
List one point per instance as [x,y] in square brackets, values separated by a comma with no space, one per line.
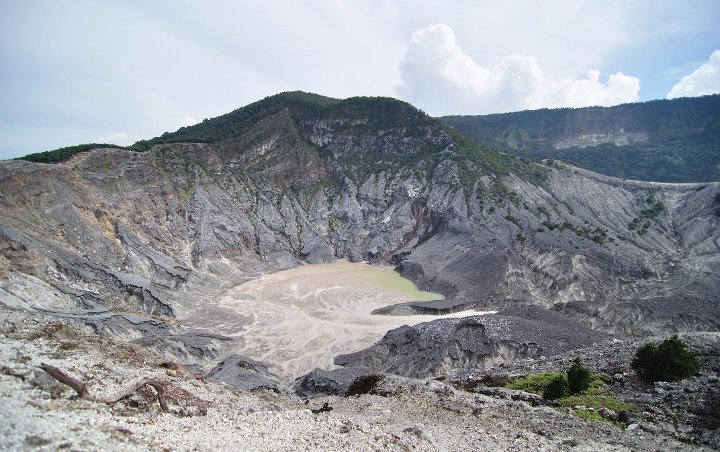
[83,393]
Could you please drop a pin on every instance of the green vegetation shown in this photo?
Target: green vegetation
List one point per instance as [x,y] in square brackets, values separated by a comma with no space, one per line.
[557,388]
[634,224]
[643,161]
[512,219]
[555,385]
[671,360]
[578,387]
[379,112]
[64,154]
[682,137]
[382,134]
[479,159]
[651,209]
[498,193]
[597,235]
[536,383]
[578,377]
[589,415]
[364,118]
[236,123]
[596,401]
[595,417]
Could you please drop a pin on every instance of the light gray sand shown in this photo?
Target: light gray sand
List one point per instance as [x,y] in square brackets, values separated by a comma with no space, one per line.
[303,317]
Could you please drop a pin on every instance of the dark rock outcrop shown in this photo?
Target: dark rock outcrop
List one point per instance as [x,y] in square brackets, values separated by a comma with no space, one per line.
[341,382]
[442,346]
[246,374]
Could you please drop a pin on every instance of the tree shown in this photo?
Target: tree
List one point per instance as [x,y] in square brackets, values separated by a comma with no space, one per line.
[669,361]
[557,389]
[578,377]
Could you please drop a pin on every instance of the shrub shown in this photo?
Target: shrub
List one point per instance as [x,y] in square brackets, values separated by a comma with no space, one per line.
[597,402]
[536,383]
[596,417]
[669,361]
[557,389]
[578,377]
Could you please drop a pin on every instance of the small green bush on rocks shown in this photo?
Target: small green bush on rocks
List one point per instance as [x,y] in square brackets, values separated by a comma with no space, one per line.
[669,361]
[578,377]
[537,383]
[557,389]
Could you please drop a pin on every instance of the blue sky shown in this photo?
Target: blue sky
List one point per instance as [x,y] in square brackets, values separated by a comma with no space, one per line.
[118,71]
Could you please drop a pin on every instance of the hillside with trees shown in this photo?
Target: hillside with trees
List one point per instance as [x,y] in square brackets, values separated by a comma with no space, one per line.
[664,140]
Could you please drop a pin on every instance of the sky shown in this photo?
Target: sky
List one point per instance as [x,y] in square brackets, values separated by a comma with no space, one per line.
[81,71]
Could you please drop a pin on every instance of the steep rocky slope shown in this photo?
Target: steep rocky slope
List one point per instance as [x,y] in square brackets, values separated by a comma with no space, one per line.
[664,140]
[136,244]
[400,414]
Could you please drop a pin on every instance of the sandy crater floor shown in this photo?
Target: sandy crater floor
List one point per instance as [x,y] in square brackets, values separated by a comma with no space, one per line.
[303,317]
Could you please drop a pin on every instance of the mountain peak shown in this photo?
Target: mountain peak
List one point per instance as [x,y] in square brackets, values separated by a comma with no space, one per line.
[303,106]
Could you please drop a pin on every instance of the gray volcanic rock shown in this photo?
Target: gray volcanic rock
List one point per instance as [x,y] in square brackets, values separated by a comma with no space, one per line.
[610,357]
[400,413]
[694,400]
[186,347]
[174,342]
[438,307]
[341,382]
[164,233]
[442,346]
[688,409]
[246,374]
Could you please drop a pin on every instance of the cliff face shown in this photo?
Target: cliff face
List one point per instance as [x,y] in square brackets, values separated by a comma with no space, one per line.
[126,241]
[665,140]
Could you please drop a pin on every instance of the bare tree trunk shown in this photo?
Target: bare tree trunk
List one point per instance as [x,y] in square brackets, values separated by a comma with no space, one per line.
[83,392]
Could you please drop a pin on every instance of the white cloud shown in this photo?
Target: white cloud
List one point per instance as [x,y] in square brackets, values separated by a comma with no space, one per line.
[120,138]
[188,121]
[145,80]
[439,77]
[702,81]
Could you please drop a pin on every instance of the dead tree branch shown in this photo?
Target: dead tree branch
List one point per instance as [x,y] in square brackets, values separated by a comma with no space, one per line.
[157,385]
[83,392]
[64,378]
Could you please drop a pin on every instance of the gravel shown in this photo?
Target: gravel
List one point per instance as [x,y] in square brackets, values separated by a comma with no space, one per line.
[399,414]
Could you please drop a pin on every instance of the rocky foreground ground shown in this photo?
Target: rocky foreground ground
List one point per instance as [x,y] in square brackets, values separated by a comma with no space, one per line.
[397,414]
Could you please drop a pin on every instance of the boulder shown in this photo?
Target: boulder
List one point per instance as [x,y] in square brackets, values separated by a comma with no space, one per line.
[340,382]
[246,374]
